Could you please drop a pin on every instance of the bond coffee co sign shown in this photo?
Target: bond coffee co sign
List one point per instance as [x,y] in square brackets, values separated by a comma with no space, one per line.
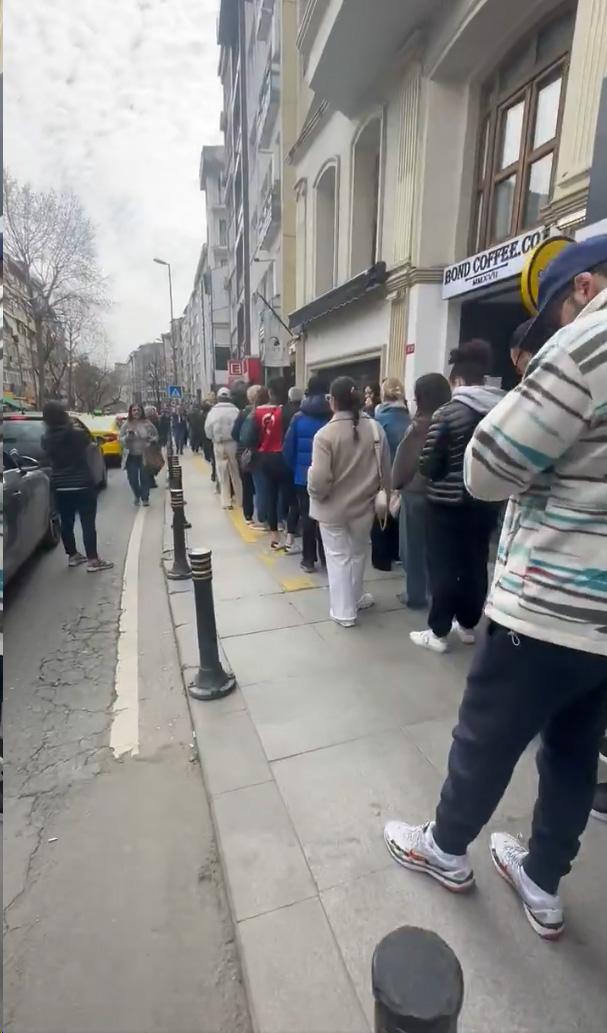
[497,263]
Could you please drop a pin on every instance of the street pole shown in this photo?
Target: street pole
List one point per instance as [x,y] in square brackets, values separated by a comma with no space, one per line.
[173,348]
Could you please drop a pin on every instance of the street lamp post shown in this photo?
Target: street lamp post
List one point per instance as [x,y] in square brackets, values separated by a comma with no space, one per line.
[160,261]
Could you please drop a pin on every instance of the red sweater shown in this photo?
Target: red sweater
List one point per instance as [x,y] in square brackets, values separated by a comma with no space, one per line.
[268,419]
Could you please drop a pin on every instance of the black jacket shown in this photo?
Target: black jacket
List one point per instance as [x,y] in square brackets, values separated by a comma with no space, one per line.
[451,427]
[67,448]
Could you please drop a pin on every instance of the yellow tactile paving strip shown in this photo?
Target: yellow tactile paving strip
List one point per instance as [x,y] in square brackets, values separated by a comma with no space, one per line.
[250,536]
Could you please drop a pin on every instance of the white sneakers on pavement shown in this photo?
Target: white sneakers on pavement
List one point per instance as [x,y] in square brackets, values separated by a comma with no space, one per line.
[76,560]
[343,623]
[366,601]
[543,910]
[428,640]
[413,846]
[465,635]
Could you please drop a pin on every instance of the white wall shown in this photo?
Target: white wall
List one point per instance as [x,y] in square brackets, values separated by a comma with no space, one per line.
[361,329]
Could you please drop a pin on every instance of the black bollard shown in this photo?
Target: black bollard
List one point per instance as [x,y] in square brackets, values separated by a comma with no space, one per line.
[175,479]
[211,682]
[418,983]
[181,568]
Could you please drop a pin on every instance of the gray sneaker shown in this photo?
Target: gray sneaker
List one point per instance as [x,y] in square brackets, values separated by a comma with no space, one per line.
[76,560]
[543,910]
[96,565]
[413,847]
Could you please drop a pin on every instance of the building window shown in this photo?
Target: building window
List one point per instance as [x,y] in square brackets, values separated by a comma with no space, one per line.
[365,197]
[223,233]
[521,113]
[325,230]
[222,357]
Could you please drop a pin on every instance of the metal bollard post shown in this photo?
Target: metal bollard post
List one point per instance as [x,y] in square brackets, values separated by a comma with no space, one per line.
[418,983]
[175,479]
[181,568]
[211,682]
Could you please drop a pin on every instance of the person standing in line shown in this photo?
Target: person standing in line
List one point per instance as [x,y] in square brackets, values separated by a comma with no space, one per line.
[218,427]
[431,391]
[164,427]
[180,429]
[248,433]
[372,398]
[136,435]
[196,425]
[151,414]
[266,436]
[393,415]
[459,527]
[541,668]
[292,407]
[350,462]
[313,414]
[207,444]
[72,483]
[248,487]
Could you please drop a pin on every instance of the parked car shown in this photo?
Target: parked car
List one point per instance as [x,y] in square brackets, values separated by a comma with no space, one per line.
[106,430]
[24,431]
[29,519]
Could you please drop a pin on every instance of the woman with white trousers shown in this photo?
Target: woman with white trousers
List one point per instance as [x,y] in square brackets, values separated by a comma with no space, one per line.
[350,462]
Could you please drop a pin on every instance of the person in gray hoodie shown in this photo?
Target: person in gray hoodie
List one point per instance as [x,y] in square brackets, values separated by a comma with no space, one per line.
[458,527]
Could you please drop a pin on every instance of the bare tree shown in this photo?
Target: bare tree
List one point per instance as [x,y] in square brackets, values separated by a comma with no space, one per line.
[51,238]
[94,386]
[156,376]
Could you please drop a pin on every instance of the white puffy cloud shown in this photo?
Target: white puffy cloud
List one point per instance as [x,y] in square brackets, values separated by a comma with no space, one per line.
[116,98]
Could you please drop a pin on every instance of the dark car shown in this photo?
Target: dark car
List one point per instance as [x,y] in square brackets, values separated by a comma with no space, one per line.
[28,516]
[23,432]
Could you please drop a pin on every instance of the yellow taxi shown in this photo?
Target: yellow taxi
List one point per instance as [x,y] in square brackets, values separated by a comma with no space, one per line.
[106,429]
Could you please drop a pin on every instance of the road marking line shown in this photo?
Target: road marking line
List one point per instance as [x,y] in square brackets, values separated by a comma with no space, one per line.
[124,734]
[297,584]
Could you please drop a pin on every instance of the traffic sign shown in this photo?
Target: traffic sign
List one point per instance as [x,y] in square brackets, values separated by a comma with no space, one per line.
[174,391]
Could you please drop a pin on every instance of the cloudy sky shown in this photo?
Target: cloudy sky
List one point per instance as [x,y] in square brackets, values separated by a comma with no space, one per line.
[115,98]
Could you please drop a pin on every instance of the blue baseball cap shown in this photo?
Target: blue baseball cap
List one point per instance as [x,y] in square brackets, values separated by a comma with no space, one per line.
[578,257]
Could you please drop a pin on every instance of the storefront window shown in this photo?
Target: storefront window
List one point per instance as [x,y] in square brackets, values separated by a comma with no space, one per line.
[519,133]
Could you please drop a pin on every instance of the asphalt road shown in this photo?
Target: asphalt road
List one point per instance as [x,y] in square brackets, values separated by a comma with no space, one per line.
[115,912]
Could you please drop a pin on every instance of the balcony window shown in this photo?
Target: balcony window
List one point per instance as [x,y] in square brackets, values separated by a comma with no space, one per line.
[325,227]
[519,135]
[365,197]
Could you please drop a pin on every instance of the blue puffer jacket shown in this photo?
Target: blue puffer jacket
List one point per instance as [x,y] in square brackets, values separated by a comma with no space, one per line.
[297,446]
[394,418]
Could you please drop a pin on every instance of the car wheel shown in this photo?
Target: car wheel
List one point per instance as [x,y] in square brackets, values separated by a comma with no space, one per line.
[53,533]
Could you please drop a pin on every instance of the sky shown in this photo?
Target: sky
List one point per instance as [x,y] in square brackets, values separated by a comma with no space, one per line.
[115,98]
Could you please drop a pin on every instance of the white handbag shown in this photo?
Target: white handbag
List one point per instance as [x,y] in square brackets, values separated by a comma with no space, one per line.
[383,505]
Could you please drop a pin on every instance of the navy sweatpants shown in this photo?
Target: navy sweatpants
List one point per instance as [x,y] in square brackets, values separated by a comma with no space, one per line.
[519,687]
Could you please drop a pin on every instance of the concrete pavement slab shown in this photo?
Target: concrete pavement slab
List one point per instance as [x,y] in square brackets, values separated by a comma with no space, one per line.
[213,710]
[230,752]
[298,714]
[252,614]
[265,864]
[296,978]
[286,652]
[339,798]
[514,981]
[313,604]
[241,577]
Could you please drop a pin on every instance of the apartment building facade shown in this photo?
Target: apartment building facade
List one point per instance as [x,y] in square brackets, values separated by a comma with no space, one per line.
[258,69]
[437,144]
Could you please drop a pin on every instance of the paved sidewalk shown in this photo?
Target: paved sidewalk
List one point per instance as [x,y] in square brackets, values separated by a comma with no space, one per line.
[330,733]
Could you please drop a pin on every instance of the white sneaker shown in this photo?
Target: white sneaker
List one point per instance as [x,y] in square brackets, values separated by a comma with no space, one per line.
[343,623]
[465,635]
[366,601]
[544,910]
[429,640]
[413,846]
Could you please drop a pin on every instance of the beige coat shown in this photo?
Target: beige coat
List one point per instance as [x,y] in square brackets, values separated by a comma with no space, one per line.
[343,479]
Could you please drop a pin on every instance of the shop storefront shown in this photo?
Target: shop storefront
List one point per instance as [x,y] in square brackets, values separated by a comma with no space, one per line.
[485,288]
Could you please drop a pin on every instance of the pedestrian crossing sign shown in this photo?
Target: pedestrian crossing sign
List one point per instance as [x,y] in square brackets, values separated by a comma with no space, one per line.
[174,391]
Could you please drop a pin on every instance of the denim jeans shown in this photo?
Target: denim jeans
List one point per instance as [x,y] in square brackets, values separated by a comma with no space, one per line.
[412,528]
[137,477]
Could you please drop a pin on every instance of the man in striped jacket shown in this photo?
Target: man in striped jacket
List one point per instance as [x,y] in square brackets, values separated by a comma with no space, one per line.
[542,666]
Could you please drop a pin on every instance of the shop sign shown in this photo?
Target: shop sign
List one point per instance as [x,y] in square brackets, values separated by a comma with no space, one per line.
[235,368]
[497,263]
[409,349]
[534,266]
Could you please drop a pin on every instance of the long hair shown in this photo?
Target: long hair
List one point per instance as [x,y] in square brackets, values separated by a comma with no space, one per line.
[346,397]
[431,391]
[135,405]
[471,361]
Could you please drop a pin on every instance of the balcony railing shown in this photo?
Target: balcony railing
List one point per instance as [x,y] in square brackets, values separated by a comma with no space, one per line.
[269,219]
[269,97]
[264,12]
